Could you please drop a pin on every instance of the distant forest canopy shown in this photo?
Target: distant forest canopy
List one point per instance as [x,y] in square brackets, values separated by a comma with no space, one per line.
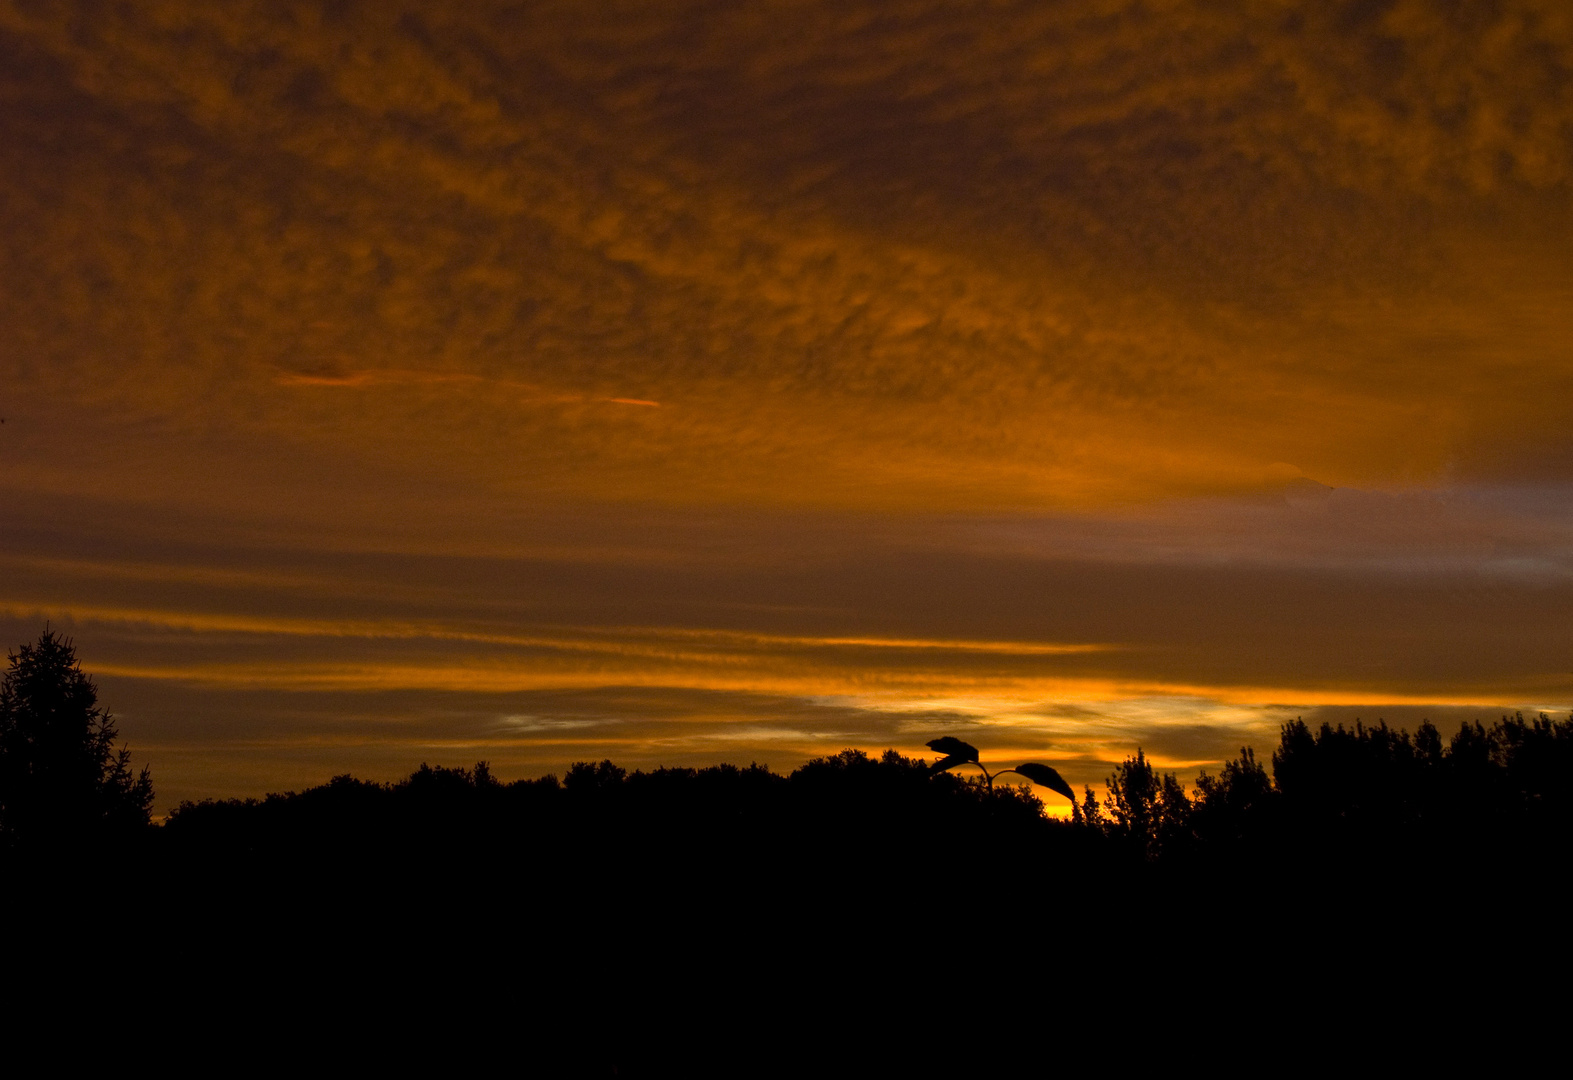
[1374,793]
[1332,792]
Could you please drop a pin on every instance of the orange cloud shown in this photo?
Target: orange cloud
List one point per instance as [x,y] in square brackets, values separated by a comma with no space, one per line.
[915,352]
[1012,262]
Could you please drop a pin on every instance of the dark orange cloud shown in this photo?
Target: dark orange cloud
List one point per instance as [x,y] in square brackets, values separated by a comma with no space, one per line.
[1053,257]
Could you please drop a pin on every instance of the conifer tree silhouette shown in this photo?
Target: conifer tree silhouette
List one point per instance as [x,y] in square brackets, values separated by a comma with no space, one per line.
[61,775]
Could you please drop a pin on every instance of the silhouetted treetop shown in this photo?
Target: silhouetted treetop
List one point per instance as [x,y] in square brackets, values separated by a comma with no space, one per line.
[61,774]
[1367,793]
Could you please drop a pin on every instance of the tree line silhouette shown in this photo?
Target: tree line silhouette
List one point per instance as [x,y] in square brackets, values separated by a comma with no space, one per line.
[1333,793]
[1372,795]
[1327,791]
[1373,799]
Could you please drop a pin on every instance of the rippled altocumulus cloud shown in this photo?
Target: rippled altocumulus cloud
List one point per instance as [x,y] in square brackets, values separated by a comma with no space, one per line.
[1050,255]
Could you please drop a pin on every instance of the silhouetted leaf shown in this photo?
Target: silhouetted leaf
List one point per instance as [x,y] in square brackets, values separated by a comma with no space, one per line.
[1047,777]
[944,764]
[949,744]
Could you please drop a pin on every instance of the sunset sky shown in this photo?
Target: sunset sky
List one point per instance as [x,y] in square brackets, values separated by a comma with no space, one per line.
[682,382]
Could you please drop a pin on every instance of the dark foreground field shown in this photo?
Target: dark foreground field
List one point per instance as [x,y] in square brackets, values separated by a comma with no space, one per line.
[619,920]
